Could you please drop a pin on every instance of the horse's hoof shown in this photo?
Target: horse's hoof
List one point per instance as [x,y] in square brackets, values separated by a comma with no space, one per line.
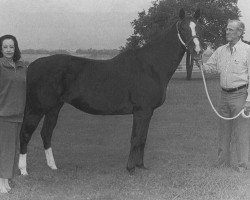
[131,170]
[142,167]
[24,172]
[53,167]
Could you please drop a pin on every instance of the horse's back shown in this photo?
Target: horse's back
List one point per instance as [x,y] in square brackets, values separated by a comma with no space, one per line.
[94,86]
[112,86]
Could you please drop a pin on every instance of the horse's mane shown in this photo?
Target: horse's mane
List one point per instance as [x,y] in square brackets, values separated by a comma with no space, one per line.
[161,35]
[155,39]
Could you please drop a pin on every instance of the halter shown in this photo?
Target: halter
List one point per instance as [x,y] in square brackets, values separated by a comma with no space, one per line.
[179,36]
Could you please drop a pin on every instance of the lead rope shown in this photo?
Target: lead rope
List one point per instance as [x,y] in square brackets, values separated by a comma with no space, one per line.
[209,99]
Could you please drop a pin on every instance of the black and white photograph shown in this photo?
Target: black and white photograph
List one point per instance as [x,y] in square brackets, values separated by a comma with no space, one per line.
[124,100]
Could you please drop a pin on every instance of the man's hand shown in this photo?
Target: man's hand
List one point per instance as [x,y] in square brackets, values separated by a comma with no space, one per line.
[198,63]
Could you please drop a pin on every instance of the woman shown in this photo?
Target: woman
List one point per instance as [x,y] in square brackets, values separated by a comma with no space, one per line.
[12,102]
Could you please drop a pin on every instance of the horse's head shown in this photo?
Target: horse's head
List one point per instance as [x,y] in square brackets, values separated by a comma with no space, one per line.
[188,33]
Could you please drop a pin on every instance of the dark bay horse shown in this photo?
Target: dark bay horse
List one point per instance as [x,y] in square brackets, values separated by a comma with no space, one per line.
[133,82]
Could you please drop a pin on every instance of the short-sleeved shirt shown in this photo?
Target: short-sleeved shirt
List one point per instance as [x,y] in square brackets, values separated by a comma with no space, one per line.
[233,67]
[12,90]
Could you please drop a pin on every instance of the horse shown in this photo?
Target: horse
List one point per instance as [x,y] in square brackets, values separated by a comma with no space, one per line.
[133,82]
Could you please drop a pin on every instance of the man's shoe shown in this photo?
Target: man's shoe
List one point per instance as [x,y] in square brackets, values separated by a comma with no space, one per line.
[241,168]
[221,162]
[223,159]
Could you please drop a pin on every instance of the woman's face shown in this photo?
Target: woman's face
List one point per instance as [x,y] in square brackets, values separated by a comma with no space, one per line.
[8,48]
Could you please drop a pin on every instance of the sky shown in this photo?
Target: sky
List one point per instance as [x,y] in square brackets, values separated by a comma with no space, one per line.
[244,6]
[74,24]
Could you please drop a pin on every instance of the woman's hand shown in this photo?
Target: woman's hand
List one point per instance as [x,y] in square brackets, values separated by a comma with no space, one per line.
[247,107]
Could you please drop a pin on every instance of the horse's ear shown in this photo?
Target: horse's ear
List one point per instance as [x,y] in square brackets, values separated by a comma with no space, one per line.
[197,14]
[182,14]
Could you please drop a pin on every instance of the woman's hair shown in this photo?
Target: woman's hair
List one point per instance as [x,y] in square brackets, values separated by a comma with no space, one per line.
[17,53]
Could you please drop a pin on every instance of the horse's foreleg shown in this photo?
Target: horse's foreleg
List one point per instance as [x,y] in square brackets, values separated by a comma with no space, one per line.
[49,124]
[141,120]
[22,164]
[50,158]
[29,125]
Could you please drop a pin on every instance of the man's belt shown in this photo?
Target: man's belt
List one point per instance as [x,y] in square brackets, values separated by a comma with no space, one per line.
[234,89]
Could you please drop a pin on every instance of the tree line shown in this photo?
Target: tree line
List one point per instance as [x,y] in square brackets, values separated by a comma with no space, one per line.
[90,52]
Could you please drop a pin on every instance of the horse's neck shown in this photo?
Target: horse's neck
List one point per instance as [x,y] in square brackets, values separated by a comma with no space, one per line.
[171,47]
[170,54]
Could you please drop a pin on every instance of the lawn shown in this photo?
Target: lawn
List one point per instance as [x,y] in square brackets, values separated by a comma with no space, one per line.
[91,153]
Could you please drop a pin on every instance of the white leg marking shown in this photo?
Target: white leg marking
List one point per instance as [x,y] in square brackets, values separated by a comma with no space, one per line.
[50,158]
[22,164]
[192,25]
[7,185]
[3,189]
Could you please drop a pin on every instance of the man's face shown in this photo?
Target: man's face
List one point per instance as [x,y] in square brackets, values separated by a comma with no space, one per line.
[232,32]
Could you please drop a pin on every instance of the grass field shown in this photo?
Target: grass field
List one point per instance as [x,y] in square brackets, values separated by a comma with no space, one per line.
[91,153]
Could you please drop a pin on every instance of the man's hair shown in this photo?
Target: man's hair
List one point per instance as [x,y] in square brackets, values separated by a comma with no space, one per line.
[241,25]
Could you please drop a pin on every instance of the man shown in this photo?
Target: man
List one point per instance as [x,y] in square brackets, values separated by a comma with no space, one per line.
[233,64]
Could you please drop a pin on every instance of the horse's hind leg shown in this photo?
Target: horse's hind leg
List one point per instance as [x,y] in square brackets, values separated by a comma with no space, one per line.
[49,124]
[141,120]
[30,123]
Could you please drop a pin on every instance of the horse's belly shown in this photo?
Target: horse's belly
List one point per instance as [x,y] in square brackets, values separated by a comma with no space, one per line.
[100,106]
[101,94]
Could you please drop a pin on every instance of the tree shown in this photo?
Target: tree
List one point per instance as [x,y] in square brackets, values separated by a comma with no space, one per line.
[163,13]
